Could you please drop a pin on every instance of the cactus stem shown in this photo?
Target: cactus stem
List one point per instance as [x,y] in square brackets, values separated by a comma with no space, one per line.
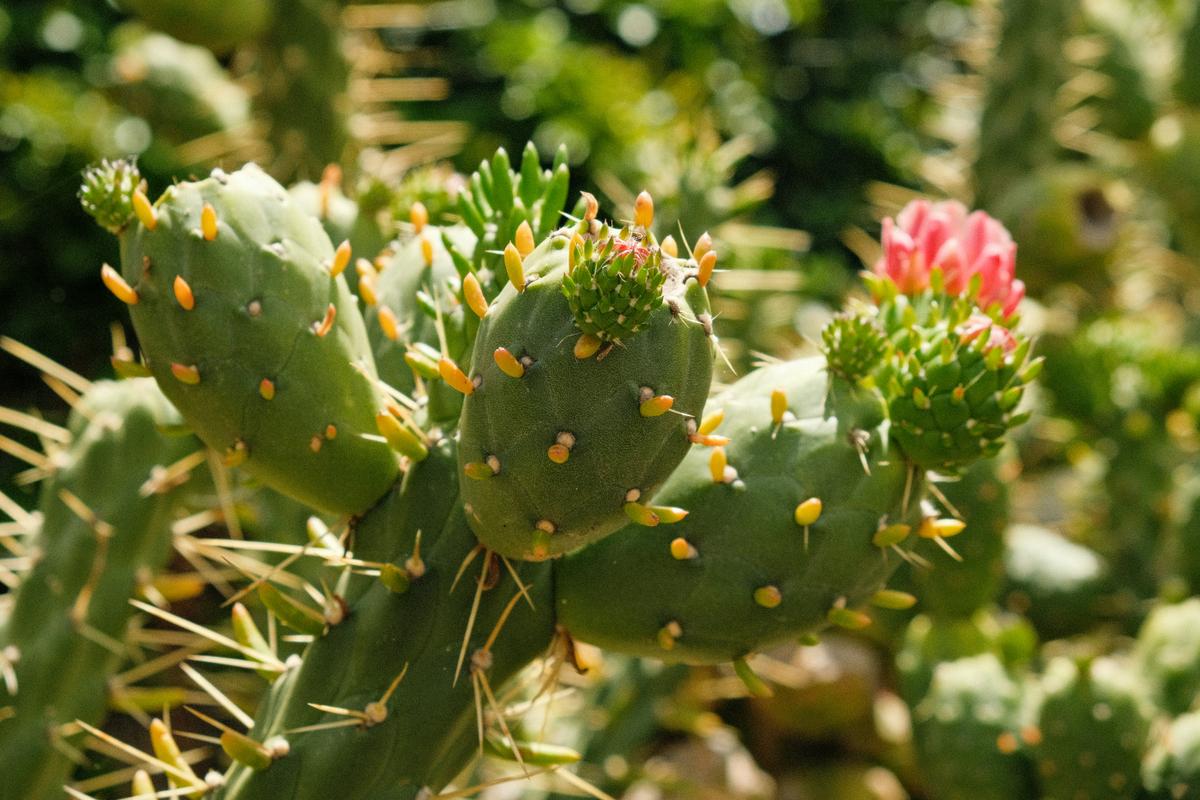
[707,265]
[186,373]
[455,377]
[388,323]
[682,549]
[266,389]
[183,293]
[754,684]
[418,215]
[524,239]
[325,325]
[508,363]
[514,266]
[117,285]
[668,634]
[586,346]
[208,222]
[768,596]
[473,294]
[144,210]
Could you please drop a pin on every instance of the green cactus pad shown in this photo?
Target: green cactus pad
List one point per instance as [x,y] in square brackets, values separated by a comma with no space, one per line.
[421,629]
[533,505]
[1093,726]
[966,733]
[752,581]
[1168,655]
[58,639]
[271,362]
[1059,585]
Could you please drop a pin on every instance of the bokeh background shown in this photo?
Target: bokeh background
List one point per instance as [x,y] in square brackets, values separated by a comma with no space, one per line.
[787,128]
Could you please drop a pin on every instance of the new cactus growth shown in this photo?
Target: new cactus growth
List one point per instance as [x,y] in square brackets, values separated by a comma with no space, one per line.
[586,384]
[105,524]
[250,330]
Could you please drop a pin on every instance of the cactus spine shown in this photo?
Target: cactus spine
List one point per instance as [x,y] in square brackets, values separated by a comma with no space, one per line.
[106,514]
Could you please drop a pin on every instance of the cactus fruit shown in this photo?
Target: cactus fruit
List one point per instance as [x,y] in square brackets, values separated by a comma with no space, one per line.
[579,420]
[967,733]
[417,633]
[105,524]
[955,375]
[1168,656]
[1093,725]
[1171,769]
[751,574]
[250,330]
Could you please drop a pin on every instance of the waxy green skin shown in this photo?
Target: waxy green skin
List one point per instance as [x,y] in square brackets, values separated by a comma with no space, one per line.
[1094,724]
[971,704]
[118,436]
[596,400]
[429,734]
[745,534]
[271,257]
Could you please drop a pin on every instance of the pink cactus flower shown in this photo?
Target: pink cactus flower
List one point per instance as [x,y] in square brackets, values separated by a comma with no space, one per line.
[997,334]
[925,236]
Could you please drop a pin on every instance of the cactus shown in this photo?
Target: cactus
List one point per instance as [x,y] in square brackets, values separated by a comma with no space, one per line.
[250,330]
[792,516]
[967,733]
[214,24]
[579,406]
[106,513]
[1171,769]
[790,526]
[1059,585]
[417,633]
[1093,725]
[1167,654]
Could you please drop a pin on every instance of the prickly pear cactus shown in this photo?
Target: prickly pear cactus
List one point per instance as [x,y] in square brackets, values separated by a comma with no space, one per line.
[1059,585]
[967,733]
[427,298]
[1167,655]
[793,524]
[249,328]
[1171,770]
[396,656]
[587,380]
[106,514]
[1093,725]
